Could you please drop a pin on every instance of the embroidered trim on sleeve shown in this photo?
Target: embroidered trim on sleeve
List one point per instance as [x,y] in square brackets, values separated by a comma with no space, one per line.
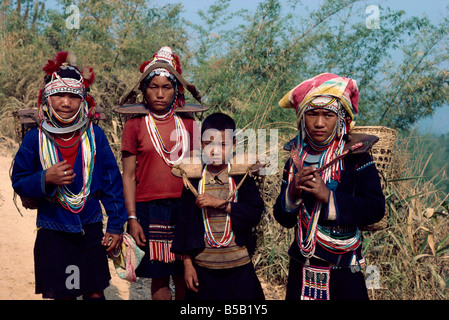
[365,166]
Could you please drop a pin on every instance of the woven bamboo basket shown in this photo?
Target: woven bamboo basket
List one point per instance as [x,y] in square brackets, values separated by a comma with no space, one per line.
[382,153]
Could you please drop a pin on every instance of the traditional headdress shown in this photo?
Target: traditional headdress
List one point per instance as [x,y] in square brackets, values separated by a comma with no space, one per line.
[165,55]
[325,84]
[165,63]
[62,76]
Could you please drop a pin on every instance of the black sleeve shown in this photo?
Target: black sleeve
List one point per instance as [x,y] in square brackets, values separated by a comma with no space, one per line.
[366,204]
[285,218]
[189,231]
[246,212]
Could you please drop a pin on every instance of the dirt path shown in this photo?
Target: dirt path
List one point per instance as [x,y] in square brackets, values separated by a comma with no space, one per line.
[16,242]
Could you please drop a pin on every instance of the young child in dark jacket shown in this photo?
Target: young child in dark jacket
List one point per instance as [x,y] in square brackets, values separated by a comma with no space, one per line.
[214,233]
[65,167]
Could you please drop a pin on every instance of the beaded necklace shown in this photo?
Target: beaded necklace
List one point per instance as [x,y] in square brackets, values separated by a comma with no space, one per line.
[315,233]
[331,149]
[70,138]
[158,143]
[228,234]
[307,244]
[49,156]
[167,115]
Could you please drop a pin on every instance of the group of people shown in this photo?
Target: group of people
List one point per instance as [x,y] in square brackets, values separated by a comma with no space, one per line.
[201,235]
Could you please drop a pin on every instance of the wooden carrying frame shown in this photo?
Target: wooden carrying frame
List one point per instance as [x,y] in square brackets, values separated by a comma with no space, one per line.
[194,168]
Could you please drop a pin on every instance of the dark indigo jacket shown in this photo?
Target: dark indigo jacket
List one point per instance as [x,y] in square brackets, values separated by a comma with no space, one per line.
[28,180]
[358,198]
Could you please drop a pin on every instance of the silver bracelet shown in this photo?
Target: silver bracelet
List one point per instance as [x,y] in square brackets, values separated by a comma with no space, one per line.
[289,204]
[132,217]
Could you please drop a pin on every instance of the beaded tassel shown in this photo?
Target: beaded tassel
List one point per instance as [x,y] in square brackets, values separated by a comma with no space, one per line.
[315,283]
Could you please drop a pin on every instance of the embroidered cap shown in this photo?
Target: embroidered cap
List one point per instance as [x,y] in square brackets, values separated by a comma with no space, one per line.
[324,102]
[63,76]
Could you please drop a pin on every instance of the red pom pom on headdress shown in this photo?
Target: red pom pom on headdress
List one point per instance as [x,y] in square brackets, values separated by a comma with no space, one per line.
[60,58]
[143,65]
[164,54]
[176,63]
[50,67]
[89,76]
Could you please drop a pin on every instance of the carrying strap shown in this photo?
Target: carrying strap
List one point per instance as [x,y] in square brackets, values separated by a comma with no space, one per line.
[295,156]
[352,139]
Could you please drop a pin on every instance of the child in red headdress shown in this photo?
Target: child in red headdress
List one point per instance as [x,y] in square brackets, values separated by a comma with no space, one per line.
[65,166]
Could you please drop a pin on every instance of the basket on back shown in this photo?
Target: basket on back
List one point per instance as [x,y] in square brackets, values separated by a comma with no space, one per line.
[382,153]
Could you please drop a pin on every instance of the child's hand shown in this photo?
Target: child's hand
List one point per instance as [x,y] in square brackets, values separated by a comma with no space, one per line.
[60,174]
[190,276]
[136,231]
[112,241]
[206,200]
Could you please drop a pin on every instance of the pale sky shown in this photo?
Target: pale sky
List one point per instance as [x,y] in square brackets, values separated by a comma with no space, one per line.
[434,9]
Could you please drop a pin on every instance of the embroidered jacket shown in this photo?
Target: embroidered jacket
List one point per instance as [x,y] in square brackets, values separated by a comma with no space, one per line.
[245,215]
[28,180]
[355,201]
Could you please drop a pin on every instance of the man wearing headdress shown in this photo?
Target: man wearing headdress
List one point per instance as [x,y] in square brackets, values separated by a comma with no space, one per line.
[325,195]
[65,166]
